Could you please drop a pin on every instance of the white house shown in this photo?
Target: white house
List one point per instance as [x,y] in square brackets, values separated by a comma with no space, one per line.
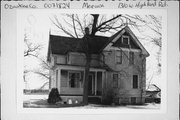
[118,65]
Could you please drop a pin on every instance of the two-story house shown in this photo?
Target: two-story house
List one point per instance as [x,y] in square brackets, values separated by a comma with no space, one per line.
[117,62]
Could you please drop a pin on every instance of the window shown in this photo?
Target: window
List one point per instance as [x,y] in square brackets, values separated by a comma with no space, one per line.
[74,80]
[133,100]
[135,81]
[131,57]
[125,40]
[119,57]
[115,80]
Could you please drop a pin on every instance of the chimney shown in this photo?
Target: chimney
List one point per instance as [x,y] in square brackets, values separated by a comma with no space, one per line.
[87,31]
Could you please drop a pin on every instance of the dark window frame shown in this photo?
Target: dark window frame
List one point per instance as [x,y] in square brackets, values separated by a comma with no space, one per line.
[131,58]
[115,80]
[123,41]
[119,57]
[75,81]
[135,82]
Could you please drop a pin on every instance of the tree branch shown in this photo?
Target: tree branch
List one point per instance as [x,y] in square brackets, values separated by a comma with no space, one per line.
[108,21]
[61,27]
[74,26]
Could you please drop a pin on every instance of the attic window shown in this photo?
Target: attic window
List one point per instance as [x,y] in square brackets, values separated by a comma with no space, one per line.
[125,40]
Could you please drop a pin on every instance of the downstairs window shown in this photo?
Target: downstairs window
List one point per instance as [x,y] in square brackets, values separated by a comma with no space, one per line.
[74,79]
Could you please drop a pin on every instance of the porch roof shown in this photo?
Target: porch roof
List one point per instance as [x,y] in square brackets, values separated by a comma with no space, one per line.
[80,67]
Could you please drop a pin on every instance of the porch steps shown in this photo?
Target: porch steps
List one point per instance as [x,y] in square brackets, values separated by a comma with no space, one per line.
[94,100]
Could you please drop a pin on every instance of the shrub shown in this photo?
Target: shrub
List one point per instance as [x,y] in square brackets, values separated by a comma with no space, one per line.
[54,96]
[108,100]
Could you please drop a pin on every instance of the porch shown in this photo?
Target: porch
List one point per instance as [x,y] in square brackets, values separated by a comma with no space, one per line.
[69,81]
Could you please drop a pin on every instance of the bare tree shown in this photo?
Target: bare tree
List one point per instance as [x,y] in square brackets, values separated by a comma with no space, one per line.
[43,71]
[152,24]
[31,49]
[96,24]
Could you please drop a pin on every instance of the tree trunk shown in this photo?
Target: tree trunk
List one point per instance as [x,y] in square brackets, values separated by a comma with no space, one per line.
[86,80]
[86,41]
[94,27]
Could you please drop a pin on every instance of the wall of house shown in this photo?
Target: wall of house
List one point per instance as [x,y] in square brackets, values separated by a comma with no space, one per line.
[95,60]
[74,59]
[71,91]
[60,59]
[126,71]
[53,79]
[51,60]
[74,99]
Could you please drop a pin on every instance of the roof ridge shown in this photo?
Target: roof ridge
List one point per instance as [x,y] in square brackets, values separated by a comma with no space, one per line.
[79,38]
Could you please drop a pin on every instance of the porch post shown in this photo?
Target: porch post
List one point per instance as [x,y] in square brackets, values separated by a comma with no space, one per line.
[103,80]
[59,85]
[83,79]
[95,82]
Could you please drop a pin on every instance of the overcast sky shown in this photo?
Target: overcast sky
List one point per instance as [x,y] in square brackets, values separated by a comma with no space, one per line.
[38,24]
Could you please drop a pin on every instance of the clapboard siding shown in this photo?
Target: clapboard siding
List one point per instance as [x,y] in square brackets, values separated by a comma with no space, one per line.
[64,78]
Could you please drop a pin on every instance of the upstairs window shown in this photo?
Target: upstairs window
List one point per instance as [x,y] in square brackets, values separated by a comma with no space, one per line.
[125,40]
[135,81]
[131,57]
[115,80]
[55,59]
[119,57]
[74,79]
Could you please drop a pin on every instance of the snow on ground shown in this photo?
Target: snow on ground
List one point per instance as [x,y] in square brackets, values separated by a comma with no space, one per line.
[34,97]
[146,106]
[40,101]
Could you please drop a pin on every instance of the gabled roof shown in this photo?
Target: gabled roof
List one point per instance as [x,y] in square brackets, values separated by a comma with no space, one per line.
[116,36]
[62,45]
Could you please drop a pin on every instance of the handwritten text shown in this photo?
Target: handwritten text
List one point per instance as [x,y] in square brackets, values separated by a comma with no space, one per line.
[64,5]
[92,6]
[19,5]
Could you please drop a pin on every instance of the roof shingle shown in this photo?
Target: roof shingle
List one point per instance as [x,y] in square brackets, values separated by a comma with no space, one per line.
[62,45]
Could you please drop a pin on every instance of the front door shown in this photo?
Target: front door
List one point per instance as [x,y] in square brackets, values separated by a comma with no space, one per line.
[91,85]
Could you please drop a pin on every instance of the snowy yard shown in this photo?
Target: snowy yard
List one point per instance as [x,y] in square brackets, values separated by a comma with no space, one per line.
[34,97]
[40,101]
